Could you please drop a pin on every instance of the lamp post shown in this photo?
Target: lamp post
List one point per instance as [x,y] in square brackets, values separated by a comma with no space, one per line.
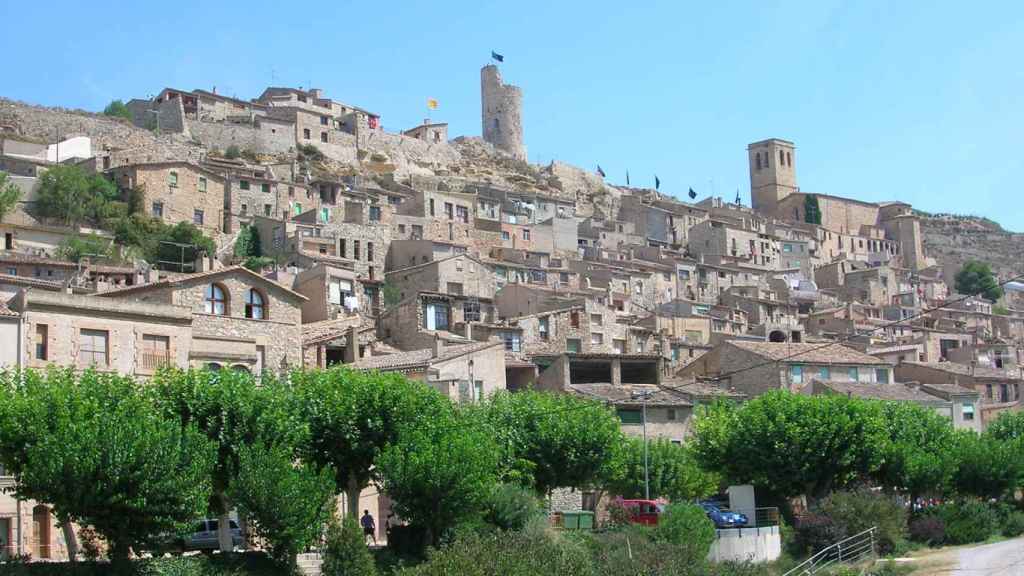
[644,395]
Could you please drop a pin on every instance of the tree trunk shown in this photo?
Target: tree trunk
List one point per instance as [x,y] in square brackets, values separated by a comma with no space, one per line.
[224,536]
[71,539]
[120,557]
[352,495]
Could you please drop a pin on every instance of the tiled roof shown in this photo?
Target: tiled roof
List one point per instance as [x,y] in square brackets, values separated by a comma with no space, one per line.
[806,352]
[188,278]
[896,392]
[947,390]
[6,311]
[966,370]
[696,389]
[30,282]
[622,395]
[420,358]
[330,329]
[8,257]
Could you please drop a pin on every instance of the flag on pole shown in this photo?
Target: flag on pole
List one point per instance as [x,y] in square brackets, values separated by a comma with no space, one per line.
[692,194]
[657,182]
[599,171]
[738,201]
[432,103]
[497,57]
[627,177]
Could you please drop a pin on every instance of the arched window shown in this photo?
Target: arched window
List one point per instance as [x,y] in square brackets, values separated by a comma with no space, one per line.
[213,367]
[782,158]
[241,369]
[215,300]
[497,125]
[758,156]
[254,307]
[789,159]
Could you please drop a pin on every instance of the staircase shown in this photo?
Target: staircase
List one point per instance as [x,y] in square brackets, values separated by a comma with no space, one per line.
[310,563]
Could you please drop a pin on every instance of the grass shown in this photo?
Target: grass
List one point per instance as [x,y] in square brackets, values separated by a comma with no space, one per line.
[247,564]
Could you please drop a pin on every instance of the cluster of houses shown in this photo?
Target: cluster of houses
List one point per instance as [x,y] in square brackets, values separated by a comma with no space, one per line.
[649,304]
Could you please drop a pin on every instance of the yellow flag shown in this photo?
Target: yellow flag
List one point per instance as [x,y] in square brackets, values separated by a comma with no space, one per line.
[431,103]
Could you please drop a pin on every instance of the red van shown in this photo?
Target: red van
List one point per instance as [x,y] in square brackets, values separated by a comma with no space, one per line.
[644,511]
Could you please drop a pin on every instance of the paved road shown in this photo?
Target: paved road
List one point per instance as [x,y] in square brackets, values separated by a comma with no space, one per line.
[999,559]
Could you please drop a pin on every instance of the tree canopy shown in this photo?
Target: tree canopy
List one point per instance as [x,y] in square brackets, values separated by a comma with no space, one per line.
[916,458]
[10,194]
[976,279]
[72,196]
[248,243]
[673,471]
[117,109]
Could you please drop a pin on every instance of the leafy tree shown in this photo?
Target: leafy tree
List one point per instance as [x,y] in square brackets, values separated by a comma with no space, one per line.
[673,471]
[248,243]
[117,109]
[353,415]
[1008,427]
[688,527]
[346,553]
[917,458]
[550,440]
[812,211]
[976,279]
[233,411]
[72,196]
[440,472]
[288,502]
[258,263]
[74,248]
[391,293]
[986,467]
[10,194]
[233,152]
[511,507]
[99,453]
[792,444]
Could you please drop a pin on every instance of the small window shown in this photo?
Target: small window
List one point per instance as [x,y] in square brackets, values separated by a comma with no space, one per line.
[505,235]
[671,414]
[796,374]
[324,120]
[369,251]
[172,179]
[243,184]
[265,187]
[305,133]
[158,209]
[245,209]
[572,345]
[214,300]
[968,412]
[596,338]
[374,213]
[197,217]
[630,416]
[266,210]
[323,137]
[782,158]
[254,306]
[825,373]
[852,374]
[526,234]
[757,157]
[543,327]
[42,342]
[92,347]
[574,319]
[202,183]
[355,250]
[882,375]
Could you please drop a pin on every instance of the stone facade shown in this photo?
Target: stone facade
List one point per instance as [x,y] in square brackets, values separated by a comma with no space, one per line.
[501,112]
[178,192]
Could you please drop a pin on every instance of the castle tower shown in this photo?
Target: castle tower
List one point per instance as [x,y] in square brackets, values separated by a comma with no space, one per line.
[501,112]
[772,173]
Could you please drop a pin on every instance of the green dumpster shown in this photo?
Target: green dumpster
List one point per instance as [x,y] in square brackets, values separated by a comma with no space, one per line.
[571,520]
[586,520]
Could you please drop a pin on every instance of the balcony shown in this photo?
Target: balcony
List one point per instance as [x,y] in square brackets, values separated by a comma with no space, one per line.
[152,360]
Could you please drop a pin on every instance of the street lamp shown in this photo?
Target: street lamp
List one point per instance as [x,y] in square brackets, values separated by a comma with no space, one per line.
[644,395]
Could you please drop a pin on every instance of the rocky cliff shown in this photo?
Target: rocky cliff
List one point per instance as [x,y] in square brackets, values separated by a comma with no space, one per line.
[953,240]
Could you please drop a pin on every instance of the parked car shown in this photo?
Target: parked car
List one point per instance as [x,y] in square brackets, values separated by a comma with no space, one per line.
[204,536]
[724,518]
[644,511]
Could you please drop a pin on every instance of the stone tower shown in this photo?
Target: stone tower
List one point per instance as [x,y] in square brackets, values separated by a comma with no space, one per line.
[501,112]
[772,173]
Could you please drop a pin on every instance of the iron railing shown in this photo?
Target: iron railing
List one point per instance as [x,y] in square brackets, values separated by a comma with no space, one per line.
[852,550]
[154,360]
[758,517]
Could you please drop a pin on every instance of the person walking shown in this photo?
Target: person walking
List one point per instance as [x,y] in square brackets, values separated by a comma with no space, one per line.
[369,526]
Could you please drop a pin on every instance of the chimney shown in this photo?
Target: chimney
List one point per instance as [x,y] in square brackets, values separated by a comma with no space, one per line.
[438,346]
[351,345]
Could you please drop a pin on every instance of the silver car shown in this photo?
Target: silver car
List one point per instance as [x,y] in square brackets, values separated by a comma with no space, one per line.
[205,536]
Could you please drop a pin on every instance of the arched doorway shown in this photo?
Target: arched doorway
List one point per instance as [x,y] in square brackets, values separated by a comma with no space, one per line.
[776,336]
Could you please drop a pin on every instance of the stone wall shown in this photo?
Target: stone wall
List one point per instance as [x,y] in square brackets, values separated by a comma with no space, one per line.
[267,136]
[181,201]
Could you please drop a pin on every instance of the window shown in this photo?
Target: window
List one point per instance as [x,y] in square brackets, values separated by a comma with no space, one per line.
[574,319]
[416,232]
[369,251]
[572,345]
[155,351]
[967,410]
[435,316]
[431,206]
[172,179]
[324,120]
[825,373]
[11,271]
[245,209]
[214,300]
[266,210]
[882,375]
[852,374]
[671,414]
[449,210]
[505,235]
[92,347]
[542,327]
[789,159]
[512,341]
[243,184]
[305,133]
[526,233]
[254,306]
[471,311]
[596,319]
[374,213]
[782,158]
[325,215]
[265,187]
[355,249]
[630,416]
[41,341]
[619,346]
[454,288]
[796,374]
[401,228]
[462,213]
[323,137]
[158,209]
[758,160]
[596,338]
[341,248]
[451,232]
[202,183]
[197,217]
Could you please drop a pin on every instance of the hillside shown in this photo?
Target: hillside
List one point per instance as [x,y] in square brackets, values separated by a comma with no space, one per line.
[953,240]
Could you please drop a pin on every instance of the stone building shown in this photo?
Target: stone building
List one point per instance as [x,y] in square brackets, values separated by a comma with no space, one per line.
[999,389]
[332,292]
[429,132]
[178,192]
[668,414]
[240,320]
[501,107]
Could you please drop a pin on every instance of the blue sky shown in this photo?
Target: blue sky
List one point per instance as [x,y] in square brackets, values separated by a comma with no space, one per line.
[912,101]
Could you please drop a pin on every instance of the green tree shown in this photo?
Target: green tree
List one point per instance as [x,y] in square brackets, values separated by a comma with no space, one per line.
[917,459]
[673,471]
[289,502]
[792,444]
[440,472]
[976,279]
[233,411]
[248,243]
[73,196]
[10,194]
[99,452]
[550,440]
[345,553]
[353,415]
[117,109]
[74,248]
[688,527]
[1008,427]
[986,467]
[812,211]
[233,152]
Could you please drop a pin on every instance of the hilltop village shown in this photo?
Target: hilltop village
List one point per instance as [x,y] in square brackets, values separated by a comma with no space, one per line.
[318,238]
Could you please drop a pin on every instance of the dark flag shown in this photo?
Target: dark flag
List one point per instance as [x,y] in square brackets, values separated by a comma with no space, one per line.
[627,177]
[497,57]
[657,183]
[692,194]
[738,201]
[599,171]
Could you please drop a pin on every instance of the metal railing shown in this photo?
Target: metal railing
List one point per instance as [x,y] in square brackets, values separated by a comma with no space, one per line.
[758,517]
[852,550]
[154,360]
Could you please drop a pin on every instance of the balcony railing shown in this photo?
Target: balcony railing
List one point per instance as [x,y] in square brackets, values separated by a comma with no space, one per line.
[154,360]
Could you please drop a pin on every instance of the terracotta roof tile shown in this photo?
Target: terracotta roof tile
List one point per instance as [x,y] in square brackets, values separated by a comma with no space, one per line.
[896,392]
[420,358]
[807,352]
[622,395]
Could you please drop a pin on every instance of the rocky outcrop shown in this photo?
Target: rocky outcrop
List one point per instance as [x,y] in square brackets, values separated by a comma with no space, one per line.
[953,240]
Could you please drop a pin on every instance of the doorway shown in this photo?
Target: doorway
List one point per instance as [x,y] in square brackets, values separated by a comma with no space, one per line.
[41,523]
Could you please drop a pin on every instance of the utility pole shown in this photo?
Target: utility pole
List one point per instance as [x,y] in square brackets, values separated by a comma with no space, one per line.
[644,396]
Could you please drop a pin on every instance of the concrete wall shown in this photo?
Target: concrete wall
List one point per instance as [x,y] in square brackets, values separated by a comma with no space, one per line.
[757,545]
[9,329]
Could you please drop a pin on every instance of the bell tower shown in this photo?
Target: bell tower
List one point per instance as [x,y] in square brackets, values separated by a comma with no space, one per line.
[772,173]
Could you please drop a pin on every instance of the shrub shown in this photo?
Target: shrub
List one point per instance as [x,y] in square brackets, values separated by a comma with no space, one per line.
[688,528]
[618,514]
[233,152]
[346,553]
[928,529]
[636,550]
[814,531]
[117,109]
[511,506]
[858,511]
[1013,524]
[968,522]
[309,152]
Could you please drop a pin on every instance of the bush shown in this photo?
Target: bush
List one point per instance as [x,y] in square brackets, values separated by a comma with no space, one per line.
[968,522]
[618,514]
[814,531]
[510,507]
[346,553]
[928,529]
[688,528]
[1013,524]
[635,549]
[857,511]
[117,109]
[233,153]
